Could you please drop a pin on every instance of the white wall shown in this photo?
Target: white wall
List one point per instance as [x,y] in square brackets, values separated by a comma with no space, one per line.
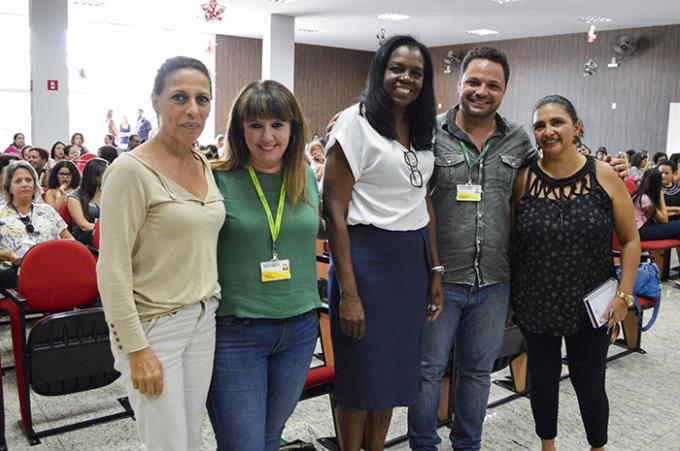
[673,139]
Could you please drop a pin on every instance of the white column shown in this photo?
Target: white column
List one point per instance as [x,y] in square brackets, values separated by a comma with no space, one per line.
[278,50]
[48,21]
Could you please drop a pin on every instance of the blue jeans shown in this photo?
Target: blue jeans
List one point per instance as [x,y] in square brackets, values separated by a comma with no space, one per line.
[475,318]
[259,372]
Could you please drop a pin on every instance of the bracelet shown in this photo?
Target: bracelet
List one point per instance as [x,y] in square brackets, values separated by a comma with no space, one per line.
[438,268]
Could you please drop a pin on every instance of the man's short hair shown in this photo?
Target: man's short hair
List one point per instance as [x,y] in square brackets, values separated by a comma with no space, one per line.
[487,53]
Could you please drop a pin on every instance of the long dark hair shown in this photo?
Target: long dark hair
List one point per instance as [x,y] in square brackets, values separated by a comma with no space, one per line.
[650,184]
[54,147]
[53,181]
[88,186]
[379,109]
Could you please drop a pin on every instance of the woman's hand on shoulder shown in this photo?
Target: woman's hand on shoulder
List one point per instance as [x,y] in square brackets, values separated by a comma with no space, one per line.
[146,372]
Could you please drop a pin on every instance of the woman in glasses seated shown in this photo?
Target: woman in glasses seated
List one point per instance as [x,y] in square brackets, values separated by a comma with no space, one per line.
[64,178]
[375,200]
[23,222]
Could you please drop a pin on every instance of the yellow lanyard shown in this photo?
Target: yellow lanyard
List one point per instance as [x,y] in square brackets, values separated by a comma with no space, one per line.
[274,227]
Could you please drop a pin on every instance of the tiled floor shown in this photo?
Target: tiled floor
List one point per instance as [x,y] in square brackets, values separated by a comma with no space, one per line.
[644,395]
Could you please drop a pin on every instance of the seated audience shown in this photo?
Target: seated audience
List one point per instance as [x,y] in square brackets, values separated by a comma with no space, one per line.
[72,153]
[317,159]
[38,158]
[601,154]
[18,142]
[25,151]
[659,157]
[584,150]
[638,164]
[83,203]
[133,142]
[78,140]
[5,161]
[108,153]
[57,153]
[651,214]
[110,140]
[63,180]
[670,188]
[23,221]
[675,158]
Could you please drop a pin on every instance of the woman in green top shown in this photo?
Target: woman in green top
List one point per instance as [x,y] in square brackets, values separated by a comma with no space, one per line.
[267,323]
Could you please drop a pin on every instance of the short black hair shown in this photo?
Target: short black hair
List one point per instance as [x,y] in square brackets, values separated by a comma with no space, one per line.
[53,180]
[487,53]
[108,153]
[379,110]
[637,159]
[6,159]
[44,153]
[658,155]
[670,163]
[174,64]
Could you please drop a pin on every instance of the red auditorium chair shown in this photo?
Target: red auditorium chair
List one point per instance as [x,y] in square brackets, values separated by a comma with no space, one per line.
[660,251]
[66,216]
[68,350]
[82,161]
[96,234]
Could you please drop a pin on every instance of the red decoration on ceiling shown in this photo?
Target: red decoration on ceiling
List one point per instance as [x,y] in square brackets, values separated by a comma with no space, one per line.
[213,11]
[211,47]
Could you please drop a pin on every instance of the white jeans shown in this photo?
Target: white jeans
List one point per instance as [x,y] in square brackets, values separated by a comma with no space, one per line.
[184,342]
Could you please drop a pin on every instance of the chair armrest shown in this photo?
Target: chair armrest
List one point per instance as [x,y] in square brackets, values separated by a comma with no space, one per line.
[13,294]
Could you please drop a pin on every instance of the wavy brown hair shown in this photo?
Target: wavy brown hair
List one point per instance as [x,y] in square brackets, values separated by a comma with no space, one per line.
[268,99]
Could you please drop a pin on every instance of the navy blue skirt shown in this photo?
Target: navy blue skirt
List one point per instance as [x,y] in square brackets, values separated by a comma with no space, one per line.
[392,271]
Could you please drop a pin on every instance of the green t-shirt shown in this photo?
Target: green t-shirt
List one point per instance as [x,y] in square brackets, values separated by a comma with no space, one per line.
[245,241]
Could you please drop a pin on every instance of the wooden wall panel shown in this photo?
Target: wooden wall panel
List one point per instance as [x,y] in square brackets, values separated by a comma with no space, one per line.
[642,86]
[327,79]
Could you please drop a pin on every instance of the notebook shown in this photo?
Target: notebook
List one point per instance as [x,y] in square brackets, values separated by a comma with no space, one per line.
[599,300]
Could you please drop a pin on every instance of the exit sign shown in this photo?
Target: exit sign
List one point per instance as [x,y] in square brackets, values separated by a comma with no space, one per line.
[53,85]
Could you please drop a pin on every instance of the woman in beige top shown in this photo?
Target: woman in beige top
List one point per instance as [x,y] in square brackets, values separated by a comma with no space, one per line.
[161,213]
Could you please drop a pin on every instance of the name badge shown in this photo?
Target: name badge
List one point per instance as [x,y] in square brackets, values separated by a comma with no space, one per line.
[469,193]
[274,270]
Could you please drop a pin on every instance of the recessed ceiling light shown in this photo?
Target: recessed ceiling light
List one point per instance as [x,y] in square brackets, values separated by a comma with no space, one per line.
[281,1]
[89,2]
[503,2]
[312,30]
[593,19]
[482,32]
[393,16]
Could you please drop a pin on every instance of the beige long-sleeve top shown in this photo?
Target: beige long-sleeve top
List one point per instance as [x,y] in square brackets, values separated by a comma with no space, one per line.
[158,247]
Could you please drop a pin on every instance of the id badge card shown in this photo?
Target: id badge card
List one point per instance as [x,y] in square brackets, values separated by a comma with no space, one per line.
[469,193]
[274,270]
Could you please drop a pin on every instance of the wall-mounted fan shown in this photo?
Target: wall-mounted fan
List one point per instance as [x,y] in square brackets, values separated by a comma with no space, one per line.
[452,58]
[623,47]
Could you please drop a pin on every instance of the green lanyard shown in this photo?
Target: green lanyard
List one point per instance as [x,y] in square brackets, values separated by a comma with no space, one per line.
[274,227]
[469,159]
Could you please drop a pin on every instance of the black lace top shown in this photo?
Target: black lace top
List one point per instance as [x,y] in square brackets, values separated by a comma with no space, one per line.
[564,249]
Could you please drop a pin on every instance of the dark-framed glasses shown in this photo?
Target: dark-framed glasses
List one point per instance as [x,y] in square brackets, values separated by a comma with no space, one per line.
[411,160]
[26,220]
[64,174]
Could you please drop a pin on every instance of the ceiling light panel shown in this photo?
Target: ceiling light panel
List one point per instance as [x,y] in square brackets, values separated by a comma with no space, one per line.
[503,2]
[482,32]
[312,30]
[393,16]
[594,19]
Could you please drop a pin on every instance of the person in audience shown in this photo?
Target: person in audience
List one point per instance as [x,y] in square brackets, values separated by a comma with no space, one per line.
[638,164]
[124,130]
[601,154]
[18,142]
[675,158]
[83,203]
[659,157]
[38,158]
[161,214]
[58,152]
[5,161]
[25,152]
[561,199]
[23,221]
[670,188]
[623,156]
[267,323]
[317,159]
[64,178]
[651,213]
[111,126]
[584,150]
[110,140]
[109,153]
[378,165]
[133,142]
[72,153]
[144,127]
[78,141]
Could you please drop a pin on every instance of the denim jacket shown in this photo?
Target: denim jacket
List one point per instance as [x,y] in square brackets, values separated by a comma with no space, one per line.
[473,238]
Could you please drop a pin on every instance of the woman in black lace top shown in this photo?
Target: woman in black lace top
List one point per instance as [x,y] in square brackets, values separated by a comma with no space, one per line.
[566,208]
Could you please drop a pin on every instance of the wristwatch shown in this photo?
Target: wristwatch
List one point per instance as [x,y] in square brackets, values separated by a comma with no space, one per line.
[627,298]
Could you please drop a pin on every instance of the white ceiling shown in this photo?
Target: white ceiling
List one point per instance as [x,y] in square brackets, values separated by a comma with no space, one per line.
[353,23]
